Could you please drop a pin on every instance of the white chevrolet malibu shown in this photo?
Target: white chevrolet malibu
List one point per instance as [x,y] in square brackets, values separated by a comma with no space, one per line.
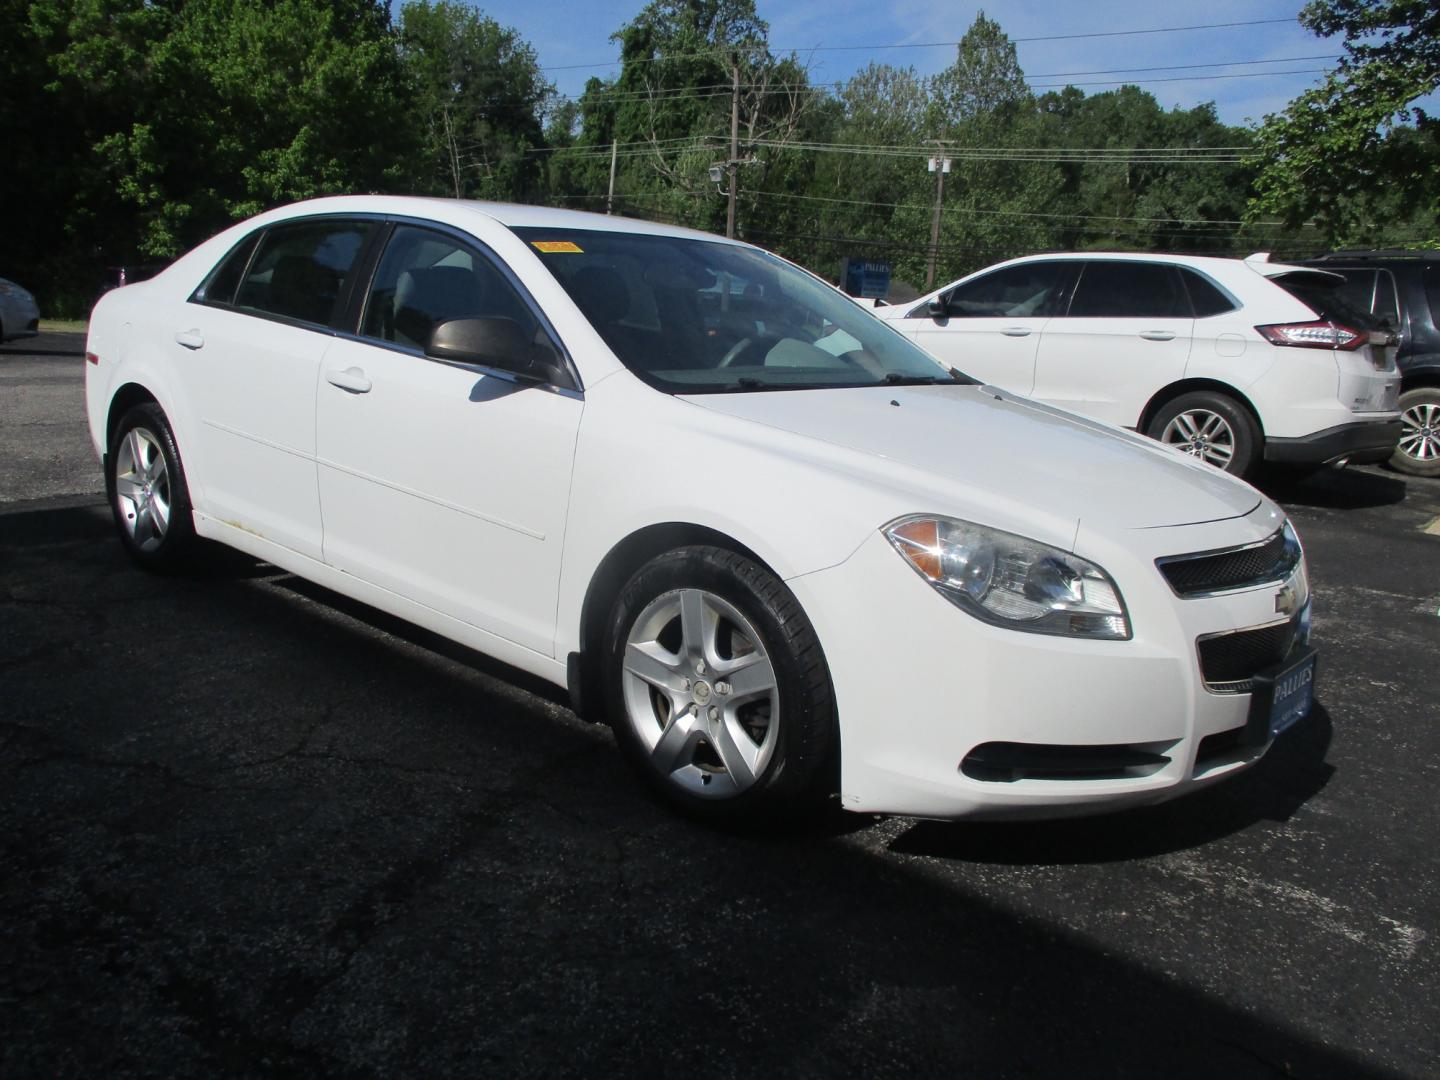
[779,549]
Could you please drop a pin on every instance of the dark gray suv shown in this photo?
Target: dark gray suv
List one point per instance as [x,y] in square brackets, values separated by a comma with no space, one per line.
[1403,288]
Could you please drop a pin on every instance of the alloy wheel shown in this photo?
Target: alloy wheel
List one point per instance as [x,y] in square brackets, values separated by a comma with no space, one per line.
[700,691]
[142,487]
[1202,434]
[1420,431]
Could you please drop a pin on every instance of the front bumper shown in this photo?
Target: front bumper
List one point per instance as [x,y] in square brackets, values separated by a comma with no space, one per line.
[921,687]
[1361,444]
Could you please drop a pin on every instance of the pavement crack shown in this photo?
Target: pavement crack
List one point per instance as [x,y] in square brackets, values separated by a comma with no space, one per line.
[58,750]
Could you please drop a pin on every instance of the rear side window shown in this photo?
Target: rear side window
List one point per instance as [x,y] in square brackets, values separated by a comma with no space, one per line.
[1016,292]
[1206,298]
[300,269]
[1123,290]
[220,286]
[1432,293]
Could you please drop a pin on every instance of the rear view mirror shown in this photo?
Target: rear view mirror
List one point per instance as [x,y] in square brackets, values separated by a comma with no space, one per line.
[938,308]
[490,342]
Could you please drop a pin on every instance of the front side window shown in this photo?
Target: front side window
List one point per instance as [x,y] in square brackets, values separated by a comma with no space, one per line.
[704,316]
[1016,292]
[1432,292]
[426,278]
[1129,290]
[300,269]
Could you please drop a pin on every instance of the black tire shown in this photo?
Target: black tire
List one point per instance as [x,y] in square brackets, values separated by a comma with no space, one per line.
[799,773]
[137,493]
[1420,411]
[1244,441]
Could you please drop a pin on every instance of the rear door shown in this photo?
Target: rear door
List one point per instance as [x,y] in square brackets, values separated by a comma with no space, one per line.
[992,323]
[1127,333]
[248,350]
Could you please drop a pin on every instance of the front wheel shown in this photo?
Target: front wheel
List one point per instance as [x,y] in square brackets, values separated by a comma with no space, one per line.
[1418,452]
[717,689]
[148,494]
[1212,427]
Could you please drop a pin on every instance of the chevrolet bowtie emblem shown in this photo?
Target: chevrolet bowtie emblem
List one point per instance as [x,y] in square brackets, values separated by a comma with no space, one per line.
[1287,600]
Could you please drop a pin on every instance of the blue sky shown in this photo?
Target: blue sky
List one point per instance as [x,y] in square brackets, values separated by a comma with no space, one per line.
[578,33]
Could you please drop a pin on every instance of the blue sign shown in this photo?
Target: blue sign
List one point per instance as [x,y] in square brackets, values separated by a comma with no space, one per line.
[866,277]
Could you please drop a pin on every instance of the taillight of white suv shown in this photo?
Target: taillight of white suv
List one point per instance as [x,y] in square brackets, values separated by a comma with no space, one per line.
[1320,334]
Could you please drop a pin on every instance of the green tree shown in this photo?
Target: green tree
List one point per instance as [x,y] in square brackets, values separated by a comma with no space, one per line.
[203,112]
[480,99]
[1334,147]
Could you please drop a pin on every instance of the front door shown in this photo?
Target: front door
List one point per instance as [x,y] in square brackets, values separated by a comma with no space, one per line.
[445,483]
[992,324]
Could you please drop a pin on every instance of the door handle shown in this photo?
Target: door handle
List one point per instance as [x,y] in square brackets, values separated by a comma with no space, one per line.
[191,339]
[351,379]
[1158,335]
[1016,331]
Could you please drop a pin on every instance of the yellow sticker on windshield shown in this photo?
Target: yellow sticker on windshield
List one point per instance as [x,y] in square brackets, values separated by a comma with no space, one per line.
[556,247]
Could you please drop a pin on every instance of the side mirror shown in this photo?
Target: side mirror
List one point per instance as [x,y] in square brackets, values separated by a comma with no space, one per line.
[492,342]
[938,308]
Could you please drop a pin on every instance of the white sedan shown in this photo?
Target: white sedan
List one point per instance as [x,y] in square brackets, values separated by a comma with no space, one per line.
[782,551]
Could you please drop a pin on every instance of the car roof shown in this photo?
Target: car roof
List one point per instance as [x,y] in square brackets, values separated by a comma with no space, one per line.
[1392,255]
[1214,263]
[511,215]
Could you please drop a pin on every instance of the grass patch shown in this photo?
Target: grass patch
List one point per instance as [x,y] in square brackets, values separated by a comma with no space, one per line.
[64,326]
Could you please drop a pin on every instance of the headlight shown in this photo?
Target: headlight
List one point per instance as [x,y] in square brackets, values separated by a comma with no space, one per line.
[1010,581]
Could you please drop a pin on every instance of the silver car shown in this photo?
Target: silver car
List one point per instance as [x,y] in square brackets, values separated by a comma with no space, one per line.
[19,315]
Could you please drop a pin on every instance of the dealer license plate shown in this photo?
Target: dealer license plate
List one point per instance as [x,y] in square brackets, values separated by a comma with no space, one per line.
[1283,696]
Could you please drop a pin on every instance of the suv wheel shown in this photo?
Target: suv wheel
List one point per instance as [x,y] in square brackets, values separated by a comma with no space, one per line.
[1212,427]
[1418,452]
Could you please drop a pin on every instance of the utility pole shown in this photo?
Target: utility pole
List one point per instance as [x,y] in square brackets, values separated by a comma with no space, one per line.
[610,198]
[939,165]
[734,163]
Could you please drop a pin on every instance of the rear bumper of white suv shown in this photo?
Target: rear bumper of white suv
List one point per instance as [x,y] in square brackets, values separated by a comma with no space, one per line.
[1359,443]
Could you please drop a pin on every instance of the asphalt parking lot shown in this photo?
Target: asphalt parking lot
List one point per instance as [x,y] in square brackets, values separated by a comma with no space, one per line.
[249,827]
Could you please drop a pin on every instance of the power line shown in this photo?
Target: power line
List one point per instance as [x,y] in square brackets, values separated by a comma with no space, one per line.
[706,91]
[913,45]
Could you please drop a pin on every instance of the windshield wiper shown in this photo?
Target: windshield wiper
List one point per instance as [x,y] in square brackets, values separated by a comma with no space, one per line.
[895,378]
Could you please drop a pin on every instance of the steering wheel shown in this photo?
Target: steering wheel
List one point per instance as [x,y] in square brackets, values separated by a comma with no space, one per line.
[744,345]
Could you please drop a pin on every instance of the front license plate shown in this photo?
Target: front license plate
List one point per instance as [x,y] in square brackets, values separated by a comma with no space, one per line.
[1282,696]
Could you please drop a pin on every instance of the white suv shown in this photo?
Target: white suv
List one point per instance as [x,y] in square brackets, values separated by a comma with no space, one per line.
[1232,361]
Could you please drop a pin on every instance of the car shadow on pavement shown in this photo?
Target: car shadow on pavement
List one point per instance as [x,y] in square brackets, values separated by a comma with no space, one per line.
[47,343]
[1335,489]
[310,849]
[1282,782]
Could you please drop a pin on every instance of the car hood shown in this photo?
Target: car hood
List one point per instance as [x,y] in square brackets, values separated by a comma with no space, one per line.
[993,442]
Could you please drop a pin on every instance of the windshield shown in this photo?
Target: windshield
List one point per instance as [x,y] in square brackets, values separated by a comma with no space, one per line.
[696,316]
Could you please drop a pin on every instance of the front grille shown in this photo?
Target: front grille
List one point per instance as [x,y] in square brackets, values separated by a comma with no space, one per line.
[1232,568]
[1230,662]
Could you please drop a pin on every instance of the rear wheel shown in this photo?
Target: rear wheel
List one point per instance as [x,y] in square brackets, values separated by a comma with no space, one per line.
[717,689]
[1210,426]
[148,495]
[1418,452]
